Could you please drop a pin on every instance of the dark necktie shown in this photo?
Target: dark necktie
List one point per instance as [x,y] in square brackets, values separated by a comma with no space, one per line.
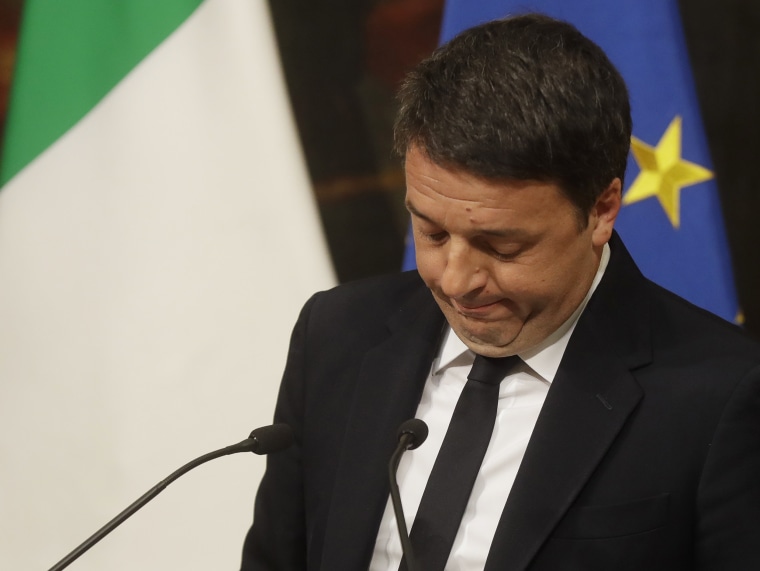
[458,462]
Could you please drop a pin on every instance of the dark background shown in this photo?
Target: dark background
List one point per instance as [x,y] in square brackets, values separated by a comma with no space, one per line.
[343,60]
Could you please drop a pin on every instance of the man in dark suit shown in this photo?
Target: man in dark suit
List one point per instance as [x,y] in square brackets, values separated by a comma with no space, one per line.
[627,435]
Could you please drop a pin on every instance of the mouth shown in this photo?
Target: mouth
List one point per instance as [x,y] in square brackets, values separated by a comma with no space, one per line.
[475,310]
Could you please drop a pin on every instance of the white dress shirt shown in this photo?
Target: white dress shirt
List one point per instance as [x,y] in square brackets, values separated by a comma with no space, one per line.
[521,396]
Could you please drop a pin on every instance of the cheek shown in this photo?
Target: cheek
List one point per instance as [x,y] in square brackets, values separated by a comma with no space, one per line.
[526,285]
[429,266]
[560,282]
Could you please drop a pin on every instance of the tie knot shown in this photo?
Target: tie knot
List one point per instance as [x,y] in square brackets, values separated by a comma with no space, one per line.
[492,370]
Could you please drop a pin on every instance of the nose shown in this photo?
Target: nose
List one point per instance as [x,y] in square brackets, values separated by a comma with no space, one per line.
[464,274]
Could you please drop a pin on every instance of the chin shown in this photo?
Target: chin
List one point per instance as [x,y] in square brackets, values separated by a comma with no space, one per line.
[492,351]
[489,347]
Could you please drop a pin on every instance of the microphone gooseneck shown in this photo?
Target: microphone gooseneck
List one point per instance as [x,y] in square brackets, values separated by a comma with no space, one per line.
[263,440]
[411,434]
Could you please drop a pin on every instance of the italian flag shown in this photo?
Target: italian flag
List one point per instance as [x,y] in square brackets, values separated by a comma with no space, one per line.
[157,239]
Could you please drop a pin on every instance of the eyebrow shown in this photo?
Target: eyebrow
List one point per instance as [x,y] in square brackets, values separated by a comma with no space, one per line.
[414,212]
[514,233]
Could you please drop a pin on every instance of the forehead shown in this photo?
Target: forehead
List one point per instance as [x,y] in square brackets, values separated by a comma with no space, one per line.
[432,187]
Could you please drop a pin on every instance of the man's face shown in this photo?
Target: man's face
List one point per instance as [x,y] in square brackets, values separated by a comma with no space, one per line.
[507,261]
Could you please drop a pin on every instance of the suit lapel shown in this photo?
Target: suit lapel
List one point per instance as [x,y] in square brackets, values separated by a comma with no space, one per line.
[589,402]
[388,390]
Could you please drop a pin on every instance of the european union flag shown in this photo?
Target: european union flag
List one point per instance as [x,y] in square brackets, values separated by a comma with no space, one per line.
[671,219]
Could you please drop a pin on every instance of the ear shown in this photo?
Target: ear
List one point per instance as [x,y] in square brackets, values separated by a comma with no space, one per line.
[605,211]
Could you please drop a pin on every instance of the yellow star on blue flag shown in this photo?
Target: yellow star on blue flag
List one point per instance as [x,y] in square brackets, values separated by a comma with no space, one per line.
[663,172]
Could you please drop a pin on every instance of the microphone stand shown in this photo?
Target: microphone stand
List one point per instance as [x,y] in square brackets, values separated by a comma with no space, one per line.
[398,509]
[411,434]
[261,441]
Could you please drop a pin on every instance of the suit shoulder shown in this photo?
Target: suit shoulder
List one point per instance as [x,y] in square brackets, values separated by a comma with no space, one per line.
[389,285]
[370,299]
[676,314]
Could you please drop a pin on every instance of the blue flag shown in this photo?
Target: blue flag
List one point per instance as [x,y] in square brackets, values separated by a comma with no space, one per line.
[671,217]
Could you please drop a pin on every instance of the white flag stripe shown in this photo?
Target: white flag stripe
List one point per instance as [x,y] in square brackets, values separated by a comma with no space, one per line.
[153,261]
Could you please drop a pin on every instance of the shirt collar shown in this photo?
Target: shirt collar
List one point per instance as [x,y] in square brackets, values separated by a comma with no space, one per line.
[544,358]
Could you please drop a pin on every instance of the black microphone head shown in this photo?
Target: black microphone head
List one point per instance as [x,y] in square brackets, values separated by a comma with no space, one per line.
[417,431]
[273,438]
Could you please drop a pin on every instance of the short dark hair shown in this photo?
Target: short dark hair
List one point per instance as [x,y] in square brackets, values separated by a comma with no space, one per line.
[523,98]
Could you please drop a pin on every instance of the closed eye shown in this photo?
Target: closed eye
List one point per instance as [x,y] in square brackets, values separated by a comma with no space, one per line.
[502,256]
[504,253]
[437,236]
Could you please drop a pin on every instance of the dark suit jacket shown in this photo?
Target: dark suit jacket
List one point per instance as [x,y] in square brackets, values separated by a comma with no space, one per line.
[645,456]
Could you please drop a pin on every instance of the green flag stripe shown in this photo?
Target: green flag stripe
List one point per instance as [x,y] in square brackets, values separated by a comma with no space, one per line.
[70,55]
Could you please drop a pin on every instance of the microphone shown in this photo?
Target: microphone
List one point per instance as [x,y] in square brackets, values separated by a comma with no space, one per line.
[411,434]
[263,440]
